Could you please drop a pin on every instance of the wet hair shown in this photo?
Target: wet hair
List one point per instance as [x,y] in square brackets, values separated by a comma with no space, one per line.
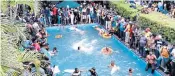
[93,68]
[130,70]
[78,47]
[76,70]
[54,48]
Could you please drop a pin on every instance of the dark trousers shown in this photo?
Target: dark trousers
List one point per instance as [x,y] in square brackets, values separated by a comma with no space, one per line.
[132,40]
[152,66]
[122,35]
[173,69]
[141,50]
[156,52]
[55,19]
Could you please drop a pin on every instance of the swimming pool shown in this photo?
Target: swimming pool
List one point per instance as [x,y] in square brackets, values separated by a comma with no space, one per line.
[69,58]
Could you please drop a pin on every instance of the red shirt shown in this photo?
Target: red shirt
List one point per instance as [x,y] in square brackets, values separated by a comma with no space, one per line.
[37,46]
[54,11]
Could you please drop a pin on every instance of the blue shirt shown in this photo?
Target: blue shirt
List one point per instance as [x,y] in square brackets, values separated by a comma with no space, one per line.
[27,43]
[46,53]
[47,12]
[115,18]
[121,27]
[91,14]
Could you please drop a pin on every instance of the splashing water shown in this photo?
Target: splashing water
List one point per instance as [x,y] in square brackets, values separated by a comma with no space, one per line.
[85,46]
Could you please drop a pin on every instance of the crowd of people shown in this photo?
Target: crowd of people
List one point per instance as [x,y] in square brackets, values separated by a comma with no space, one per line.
[165,7]
[157,51]
[150,46]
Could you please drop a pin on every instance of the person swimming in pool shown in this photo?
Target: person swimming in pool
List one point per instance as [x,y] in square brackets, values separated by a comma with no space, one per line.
[77,72]
[78,47]
[93,72]
[102,31]
[75,28]
[106,51]
[130,71]
[112,64]
[113,67]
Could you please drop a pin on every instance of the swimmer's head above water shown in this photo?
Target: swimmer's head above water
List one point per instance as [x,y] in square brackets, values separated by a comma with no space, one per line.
[112,63]
[78,47]
[107,49]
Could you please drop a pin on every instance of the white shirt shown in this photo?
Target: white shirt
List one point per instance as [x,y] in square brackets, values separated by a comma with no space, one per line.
[84,10]
[55,70]
[91,9]
[72,16]
[173,52]
[36,26]
[98,12]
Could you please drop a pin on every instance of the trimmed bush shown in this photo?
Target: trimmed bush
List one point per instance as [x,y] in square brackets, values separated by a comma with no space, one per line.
[158,26]
[158,22]
[124,9]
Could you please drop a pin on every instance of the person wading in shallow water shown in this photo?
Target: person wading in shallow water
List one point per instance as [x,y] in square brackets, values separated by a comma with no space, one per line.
[93,72]
[77,72]
[150,62]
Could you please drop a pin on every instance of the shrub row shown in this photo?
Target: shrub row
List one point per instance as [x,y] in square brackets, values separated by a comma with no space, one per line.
[167,32]
[123,9]
[159,23]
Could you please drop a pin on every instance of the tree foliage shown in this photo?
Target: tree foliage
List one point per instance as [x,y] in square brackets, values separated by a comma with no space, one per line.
[11,56]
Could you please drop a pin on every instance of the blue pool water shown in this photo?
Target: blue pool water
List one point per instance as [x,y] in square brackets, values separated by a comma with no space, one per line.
[69,58]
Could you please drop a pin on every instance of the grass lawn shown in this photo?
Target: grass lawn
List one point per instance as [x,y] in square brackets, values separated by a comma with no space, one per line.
[160,18]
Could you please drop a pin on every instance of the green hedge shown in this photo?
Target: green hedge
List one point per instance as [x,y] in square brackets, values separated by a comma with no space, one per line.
[158,26]
[124,9]
[159,23]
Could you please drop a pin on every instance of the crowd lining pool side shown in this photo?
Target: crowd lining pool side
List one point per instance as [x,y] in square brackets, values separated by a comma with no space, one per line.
[64,58]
